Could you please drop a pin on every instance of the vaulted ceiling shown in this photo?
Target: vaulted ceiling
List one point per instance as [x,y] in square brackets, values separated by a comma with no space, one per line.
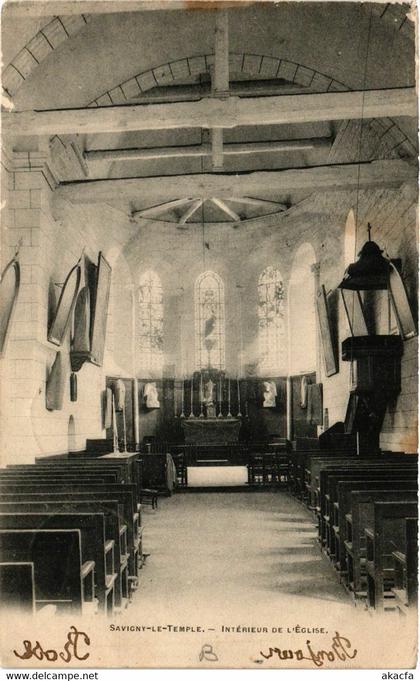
[122,71]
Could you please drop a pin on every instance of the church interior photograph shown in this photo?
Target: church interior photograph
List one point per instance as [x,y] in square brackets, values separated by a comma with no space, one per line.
[208,310]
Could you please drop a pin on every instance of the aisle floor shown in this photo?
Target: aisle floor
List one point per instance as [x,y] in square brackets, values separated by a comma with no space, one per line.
[234,554]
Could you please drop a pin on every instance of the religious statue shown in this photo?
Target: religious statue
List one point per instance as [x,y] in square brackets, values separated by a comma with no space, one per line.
[208,393]
[270,393]
[151,396]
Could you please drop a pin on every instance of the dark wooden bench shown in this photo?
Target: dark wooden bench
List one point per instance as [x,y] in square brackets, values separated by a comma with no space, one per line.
[299,462]
[384,537]
[111,474]
[17,587]
[360,517]
[127,464]
[58,571]
[329,478]
[113,519]
[316,463]
[343,506]
[356,462]
[406,569]
[93,543]
[130,530]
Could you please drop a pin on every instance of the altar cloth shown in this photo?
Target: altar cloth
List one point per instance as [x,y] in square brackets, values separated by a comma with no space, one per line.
[217,476]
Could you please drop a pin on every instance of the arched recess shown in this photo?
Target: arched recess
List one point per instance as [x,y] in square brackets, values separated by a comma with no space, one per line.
[302,313]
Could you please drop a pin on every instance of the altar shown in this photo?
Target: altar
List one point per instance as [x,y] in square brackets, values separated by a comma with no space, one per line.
[211,431]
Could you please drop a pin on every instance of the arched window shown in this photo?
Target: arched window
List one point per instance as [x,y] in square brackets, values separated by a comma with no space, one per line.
[209,322]
[150,323]
[271,323]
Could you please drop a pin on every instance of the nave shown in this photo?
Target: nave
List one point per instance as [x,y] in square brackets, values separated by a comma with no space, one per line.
[242,550]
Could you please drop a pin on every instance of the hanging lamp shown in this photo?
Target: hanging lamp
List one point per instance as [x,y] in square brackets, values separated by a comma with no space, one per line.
[370,272]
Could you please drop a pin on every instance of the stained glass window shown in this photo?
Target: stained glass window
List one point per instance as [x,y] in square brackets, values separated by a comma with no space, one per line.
[150,323]
[209,322]
[271,323]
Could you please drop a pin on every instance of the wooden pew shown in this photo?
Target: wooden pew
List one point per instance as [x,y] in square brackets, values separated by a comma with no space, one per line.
[383,537]
[113,518]
[329,478]
[406,569]
[126,462]
[93,544]
[320,463]
[108,473]
[130,531]
[6,478]
[360,517]
[299,483]
[17,587]
[342,507]
[314,464]
[59,578]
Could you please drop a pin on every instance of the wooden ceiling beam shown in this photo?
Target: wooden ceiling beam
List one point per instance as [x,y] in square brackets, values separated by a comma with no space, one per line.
[190,212]
[260,203]
[220,80]
[228,211]
[161,208]
[215,113]
[388,173]
[203,150]
[220,73]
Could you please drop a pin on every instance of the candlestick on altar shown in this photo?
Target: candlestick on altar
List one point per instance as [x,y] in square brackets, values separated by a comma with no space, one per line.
[191,416]
[201,396]
[124,431]
[220,415]
[239,398]
[182,415]
[229,415]
[114,427]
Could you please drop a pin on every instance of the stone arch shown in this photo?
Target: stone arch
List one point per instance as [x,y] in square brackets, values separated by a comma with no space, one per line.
[390,135]
[48,38]
[241,63]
